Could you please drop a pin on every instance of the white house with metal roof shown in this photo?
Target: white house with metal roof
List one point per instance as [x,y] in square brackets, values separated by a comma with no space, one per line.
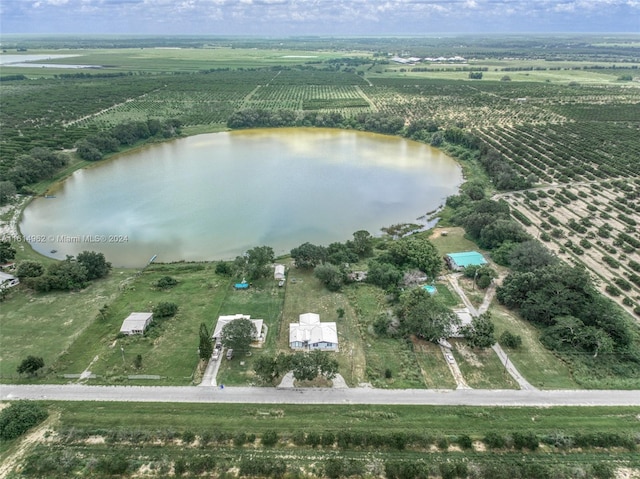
[136,323]
[309,333]
[224,320]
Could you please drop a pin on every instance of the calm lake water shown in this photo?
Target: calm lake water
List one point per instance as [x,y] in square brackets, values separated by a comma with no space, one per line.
[214,196]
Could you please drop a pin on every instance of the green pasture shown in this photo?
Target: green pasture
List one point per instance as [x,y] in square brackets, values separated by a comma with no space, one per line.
[95,416]
[262,301]
[169,349]
[49,325]
[481,368]
[162,60]
[306,294]
[453,241]
[536,363]
[518,70]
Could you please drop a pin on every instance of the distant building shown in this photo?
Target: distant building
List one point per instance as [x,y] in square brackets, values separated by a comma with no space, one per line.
[309,333]
[8,280]
[224,320]
[278,273]
[136,323]
[459,261]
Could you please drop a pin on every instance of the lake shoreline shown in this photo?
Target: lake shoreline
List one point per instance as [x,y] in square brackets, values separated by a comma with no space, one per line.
[53,188]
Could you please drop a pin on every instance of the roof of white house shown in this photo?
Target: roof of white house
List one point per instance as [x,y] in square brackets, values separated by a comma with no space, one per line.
[309,318]
[223,320]
[311,330]
[135,322]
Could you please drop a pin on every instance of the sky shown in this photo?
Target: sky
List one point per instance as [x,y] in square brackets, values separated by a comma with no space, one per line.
[282,18]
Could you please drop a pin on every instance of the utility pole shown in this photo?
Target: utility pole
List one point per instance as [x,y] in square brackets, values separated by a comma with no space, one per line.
[122,351]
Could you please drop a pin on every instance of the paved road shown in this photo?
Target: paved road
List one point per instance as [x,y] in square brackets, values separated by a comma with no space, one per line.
[469,397]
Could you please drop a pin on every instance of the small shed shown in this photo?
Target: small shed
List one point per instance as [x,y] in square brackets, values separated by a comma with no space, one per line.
[459,261]
[278,273]
[136,323]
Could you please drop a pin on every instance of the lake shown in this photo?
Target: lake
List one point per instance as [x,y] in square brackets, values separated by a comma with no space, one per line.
[216,195]
[23,61]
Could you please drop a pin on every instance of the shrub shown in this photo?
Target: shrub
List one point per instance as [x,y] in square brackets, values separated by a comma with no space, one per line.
[526,440]
[465,441]
[188,437]
[602,470]
[165,310]
[30,365]
[270,438]
[442,443]
[328,439]
[494,440]
[313,439]
[19,418]
[113,465]
[166,282]
[239,439]
[510,340]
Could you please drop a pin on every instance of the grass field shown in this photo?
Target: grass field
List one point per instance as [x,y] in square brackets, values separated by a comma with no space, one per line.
[170,350]
[306,294]
[216,439]
[536,363]
[258,418]
[48,324]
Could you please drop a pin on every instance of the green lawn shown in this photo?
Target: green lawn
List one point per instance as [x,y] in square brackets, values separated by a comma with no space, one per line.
[536,363]
[170,350]
[284,417]
[49,324]
[306,294]
[454,240]
[481,369]
[262,301]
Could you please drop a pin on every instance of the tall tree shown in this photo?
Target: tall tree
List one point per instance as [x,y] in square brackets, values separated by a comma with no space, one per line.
[362,243]
[530,255]
[308,366]
[95,263]
[330,275]
[7,251]
[308,256]
[424,316]
[238,334]
[270,367]
[30,365]
[205,346]
[258,261]
[417,252]
[7,190]
[480,333]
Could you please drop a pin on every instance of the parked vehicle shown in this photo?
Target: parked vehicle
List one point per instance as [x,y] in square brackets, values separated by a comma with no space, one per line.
[229,353]
[216,355]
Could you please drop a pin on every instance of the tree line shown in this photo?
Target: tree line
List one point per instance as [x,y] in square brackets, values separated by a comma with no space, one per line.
[73,273]
[25,169]
[262,118]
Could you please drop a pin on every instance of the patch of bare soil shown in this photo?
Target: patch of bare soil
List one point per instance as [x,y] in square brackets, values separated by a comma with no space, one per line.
[627,473]
[468,355]
[35,436]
